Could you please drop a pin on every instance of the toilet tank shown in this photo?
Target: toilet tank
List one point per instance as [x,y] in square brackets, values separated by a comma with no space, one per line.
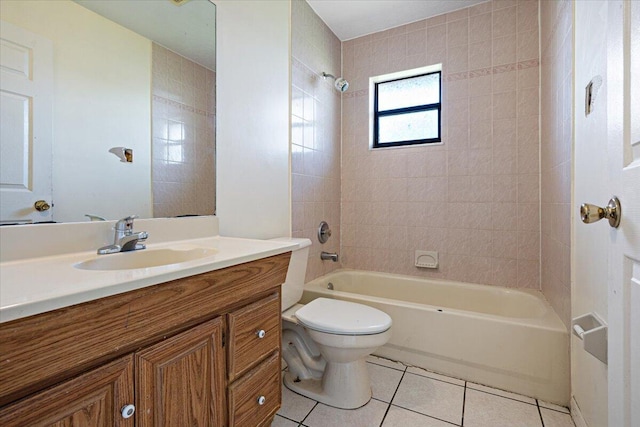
[294,283]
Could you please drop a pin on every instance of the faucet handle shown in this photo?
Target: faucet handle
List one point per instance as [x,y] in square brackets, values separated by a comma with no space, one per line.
[126,223]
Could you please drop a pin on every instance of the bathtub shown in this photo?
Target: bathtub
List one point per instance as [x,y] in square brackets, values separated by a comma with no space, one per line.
[504,338]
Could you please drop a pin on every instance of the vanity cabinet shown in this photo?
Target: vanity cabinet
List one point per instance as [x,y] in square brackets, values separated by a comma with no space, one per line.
[201,351]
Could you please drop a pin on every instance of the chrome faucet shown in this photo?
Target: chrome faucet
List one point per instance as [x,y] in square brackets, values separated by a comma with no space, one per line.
[326,256]
[125,238]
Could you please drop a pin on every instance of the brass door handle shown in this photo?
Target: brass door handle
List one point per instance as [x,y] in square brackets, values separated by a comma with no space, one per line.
[41,206]
[592,213]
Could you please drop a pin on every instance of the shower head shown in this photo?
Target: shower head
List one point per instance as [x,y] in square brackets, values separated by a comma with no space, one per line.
[339,83]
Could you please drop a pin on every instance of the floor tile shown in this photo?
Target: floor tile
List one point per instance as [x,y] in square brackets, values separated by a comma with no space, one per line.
[294,406]
[425,373]
[279,421]
[384,381]
[553,406]
[502,393]
[325,416]
[400,417]
[386,362]
[430,397]
[488,410]
[553,418]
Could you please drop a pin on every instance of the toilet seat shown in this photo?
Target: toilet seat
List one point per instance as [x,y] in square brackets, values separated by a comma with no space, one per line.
[342,317]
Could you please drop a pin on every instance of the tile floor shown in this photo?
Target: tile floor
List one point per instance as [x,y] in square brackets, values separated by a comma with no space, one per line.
[405,396]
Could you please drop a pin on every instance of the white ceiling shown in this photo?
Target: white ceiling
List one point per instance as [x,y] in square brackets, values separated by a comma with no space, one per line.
[188,30]
[349,19]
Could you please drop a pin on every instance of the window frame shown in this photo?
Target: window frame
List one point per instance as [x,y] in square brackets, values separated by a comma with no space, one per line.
[376,114]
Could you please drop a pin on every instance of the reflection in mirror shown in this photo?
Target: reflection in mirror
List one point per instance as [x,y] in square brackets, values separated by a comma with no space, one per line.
[132,109]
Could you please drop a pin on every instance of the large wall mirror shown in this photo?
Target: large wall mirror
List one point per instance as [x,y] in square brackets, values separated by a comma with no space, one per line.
[114,102]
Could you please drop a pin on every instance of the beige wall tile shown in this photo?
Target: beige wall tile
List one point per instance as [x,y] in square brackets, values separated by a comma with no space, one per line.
[555,148]
[486,171]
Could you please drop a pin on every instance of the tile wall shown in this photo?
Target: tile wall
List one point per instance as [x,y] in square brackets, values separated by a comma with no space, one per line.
[315,134]
[556,140]
[183,132]
[476,198]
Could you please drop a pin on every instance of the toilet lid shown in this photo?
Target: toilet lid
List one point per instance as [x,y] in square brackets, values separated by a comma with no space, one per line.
[343,317]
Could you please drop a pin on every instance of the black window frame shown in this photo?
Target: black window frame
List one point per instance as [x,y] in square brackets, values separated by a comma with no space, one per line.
[399,111]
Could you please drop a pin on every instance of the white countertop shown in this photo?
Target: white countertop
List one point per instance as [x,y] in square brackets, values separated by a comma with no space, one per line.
[36,285]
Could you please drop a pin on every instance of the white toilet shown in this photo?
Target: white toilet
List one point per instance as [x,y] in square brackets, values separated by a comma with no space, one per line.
[326,341]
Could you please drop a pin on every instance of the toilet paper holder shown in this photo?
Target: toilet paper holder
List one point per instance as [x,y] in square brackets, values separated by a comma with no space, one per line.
[592,330]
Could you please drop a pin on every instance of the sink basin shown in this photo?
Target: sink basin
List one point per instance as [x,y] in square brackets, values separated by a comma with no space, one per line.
[145,258]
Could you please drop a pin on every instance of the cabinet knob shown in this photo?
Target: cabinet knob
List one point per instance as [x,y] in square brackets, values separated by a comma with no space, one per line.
[262,400]
[127,411]
[261,333]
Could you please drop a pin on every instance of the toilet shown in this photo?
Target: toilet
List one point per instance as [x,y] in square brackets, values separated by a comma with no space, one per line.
[326,341]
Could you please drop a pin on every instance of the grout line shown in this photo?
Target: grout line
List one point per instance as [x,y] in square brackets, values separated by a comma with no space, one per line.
[464,402]
[309,413]
[552,409]
[385,366]
[425,415]
[393,397]
[506,397]
[436,379]
[287,418]
[540,412]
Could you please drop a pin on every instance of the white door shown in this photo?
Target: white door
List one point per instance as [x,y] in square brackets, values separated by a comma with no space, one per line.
[624,173]
[606,260]
[26,94]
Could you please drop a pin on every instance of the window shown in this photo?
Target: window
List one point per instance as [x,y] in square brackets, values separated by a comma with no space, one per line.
[406,108]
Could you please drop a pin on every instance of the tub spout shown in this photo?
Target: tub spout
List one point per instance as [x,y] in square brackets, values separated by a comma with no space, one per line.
[326,256]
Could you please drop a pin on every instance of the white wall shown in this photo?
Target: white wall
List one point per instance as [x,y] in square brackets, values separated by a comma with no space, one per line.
[253,84]
[102,88]
[590,251]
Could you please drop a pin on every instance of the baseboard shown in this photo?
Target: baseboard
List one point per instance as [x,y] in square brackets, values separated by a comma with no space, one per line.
[578,420]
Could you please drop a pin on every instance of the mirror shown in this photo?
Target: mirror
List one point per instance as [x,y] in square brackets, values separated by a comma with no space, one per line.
[133,106]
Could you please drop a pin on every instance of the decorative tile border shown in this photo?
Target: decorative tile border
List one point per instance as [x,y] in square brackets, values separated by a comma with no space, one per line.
[499,69]
[480,72]
[456,76]
[530,63]
[181,106]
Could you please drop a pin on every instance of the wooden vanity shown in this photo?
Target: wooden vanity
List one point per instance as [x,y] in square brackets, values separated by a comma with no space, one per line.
[202,350]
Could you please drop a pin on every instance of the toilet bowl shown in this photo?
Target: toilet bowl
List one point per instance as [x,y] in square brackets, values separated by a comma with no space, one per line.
[326,341]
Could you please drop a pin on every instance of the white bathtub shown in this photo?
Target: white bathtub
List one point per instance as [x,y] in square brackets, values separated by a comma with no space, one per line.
[504,338]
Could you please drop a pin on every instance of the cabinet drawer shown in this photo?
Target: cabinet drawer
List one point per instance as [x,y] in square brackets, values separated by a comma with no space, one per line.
[255,397]
[254,332]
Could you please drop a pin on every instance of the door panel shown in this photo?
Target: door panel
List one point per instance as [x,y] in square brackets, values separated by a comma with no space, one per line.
[15,132]
[608,39]
[26,94]
[624,243]
[180,381]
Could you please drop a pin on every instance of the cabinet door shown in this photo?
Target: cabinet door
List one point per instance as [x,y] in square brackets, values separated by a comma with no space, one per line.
[94,399]
[180,381]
